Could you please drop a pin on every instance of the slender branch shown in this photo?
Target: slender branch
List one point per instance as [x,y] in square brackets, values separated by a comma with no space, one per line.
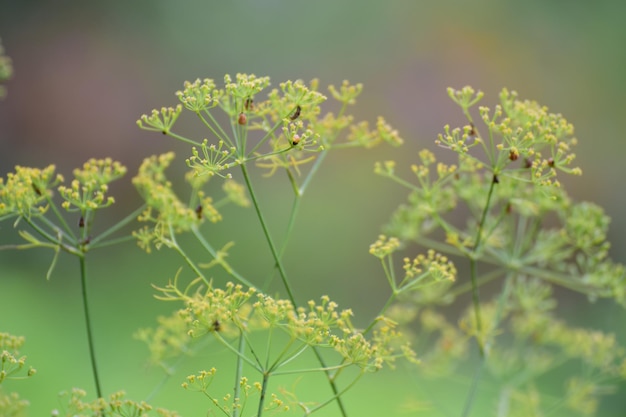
[283,276]
[263,391]
[50,238]
[268,237]
[183,139]
[225,137]
[336,396]
[90,340]
[126,220]
[60,217]
[112,242]
[214,254]
[173,243]
[472,393]
[238,372]
[474,262]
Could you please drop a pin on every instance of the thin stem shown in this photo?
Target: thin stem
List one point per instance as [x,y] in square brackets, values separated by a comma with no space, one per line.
[265,155]
[263,391]
[291,357]
[168,374]
[502,302]
[132,216]
[239,353]
[225,137]
[268,237]
[215,255]
[268,134]
[313,171]
[311,370]
[92,353]
[60,217]
[50,238]
[485,278]
[183,139]
[283,276]
[173,243]
[388,303]
[336,396]
[472,394]
[474,263]
[238,371]
[112,242]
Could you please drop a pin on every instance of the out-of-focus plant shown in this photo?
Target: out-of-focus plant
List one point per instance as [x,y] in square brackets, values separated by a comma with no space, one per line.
[503,210]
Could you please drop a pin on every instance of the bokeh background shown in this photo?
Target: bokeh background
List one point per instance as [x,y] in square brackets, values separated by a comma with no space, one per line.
[85,71]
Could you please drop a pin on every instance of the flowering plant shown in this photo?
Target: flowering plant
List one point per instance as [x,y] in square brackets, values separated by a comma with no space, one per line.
[497,219]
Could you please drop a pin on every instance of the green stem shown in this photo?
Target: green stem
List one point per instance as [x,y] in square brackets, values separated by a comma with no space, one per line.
[269,134]
[263,391]
[474,263]
[336,396]
[291,357]
[290,225]
[311,370]
[92,353]
[61,219]
[132,216]
[458,290]
[313,171]
[173,243]
[183,139]
[112,242]
[240,354]
[500,310]
[238,372]
[50,238]
[472,394]
[169,371]
[283,276]
[268,237]
[214,254]
[225,137]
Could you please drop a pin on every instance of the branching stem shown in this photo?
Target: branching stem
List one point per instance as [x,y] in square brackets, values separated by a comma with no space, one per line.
[283,276]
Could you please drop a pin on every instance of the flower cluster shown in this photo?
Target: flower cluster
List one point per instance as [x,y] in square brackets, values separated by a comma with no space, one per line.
[384,246]
[11,363]
[285,130]
[113,406]
[364,136]
[160,121]
[165,210]
[88,190]
[199,95]
[165,341]
[227,312]
[27,191]
[213,160]
[507,197]
[228,404]
[11,366]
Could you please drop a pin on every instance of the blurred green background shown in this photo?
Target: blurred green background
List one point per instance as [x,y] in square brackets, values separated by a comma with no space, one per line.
[85,71]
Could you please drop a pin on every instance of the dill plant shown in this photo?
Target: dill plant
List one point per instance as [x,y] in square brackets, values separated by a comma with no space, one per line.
[504,187]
